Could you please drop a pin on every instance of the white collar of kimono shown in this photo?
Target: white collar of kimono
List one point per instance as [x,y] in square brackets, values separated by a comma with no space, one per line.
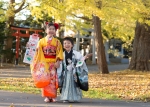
[69,51]
[77,54]
[49,38]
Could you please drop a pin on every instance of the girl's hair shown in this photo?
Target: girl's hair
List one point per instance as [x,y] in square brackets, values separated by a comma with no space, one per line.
[69,39]
[48,24]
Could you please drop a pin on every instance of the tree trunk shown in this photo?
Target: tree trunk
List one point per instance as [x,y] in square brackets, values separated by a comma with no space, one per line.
[101,58]
[9,39]
[140,59]
[9,57]
[10,21]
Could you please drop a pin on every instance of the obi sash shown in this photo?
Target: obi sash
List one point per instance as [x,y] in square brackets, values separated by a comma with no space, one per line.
[50,56]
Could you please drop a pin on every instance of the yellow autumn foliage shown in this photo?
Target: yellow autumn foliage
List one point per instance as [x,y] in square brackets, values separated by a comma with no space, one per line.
[120,14]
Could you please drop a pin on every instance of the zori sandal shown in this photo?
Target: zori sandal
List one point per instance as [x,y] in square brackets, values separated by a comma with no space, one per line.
[47,100]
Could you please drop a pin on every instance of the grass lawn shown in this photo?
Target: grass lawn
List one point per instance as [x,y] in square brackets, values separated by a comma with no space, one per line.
[126,85]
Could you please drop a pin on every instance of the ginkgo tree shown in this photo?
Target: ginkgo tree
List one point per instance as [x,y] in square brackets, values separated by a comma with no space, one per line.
[2,12]
[140,60]
[103,14]
[11,9]
[2,37]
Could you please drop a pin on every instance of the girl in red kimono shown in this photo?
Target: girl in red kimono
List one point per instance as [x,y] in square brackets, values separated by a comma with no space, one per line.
[46,60]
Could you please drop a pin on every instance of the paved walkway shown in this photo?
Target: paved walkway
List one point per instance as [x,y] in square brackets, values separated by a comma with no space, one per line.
[114,67]
[24,71]
[15,99]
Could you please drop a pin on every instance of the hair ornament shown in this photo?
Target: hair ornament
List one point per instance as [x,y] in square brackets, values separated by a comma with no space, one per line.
[55,24]
[46,23]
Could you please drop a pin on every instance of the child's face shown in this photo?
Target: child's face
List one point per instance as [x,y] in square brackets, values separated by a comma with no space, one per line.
[50,31]
[67,45]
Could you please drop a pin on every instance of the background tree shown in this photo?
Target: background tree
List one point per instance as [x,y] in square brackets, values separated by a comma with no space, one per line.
[117,18]
[2,38]
[2,12]
[2,32]
[140,59]
[12,9]
[74,12]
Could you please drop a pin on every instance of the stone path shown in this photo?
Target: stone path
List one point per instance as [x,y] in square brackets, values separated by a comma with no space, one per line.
[16,99]
[24,72]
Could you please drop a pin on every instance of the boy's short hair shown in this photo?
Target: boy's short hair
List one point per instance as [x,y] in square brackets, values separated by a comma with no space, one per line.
[69,39]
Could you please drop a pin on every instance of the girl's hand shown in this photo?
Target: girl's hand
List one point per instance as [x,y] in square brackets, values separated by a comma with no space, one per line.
[27,45]
[57,64]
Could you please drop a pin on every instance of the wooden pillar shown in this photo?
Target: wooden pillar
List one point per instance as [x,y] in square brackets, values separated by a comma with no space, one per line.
[36,32]
[17,48]
[106,51]
[77,41]
[27,32]
[93,51]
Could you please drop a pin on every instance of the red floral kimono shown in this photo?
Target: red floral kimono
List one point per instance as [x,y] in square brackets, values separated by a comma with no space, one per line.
[42,68]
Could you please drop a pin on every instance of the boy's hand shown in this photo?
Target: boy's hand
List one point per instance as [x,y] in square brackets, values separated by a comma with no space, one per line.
[88,55]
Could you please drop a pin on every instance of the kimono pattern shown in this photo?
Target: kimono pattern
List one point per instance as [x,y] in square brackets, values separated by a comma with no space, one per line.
[70,90]
[42,68]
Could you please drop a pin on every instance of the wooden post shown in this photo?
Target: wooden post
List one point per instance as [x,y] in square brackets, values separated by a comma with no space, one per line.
[17,49]
[106,51]
[77,41]
[93,51]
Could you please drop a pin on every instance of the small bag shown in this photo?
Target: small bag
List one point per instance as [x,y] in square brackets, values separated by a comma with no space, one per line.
[82,79]
[60,73]
[61,80]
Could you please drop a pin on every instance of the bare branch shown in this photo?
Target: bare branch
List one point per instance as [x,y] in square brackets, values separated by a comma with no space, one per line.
[61,1]
[25,6]
[20,7]
[83,17]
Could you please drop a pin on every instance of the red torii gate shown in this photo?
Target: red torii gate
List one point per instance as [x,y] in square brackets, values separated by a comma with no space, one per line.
[18,34]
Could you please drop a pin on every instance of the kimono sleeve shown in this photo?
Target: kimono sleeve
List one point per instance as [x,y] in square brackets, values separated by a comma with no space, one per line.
[80,58]
[59,51]
[39,44]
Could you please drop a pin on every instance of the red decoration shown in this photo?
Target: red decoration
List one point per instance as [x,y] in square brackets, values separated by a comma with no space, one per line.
[55,24]
[46,23]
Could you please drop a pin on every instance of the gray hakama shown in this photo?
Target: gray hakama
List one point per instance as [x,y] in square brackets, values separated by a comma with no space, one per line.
[70,90]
